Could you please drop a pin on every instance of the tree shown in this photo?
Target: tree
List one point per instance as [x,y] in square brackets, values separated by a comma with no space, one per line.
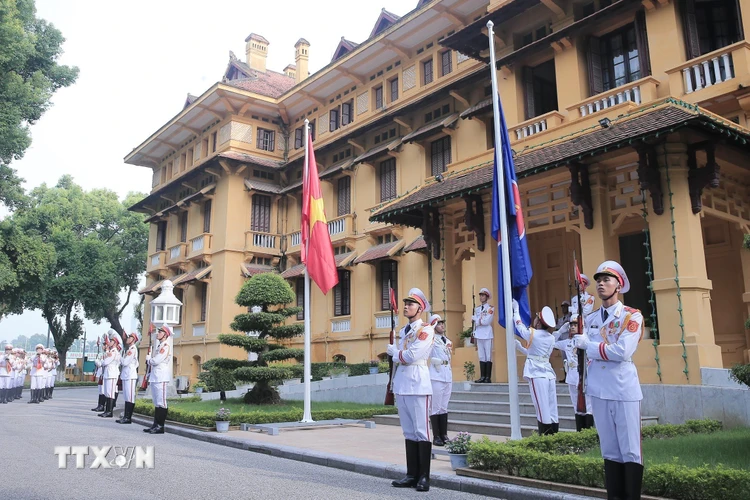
[269,292]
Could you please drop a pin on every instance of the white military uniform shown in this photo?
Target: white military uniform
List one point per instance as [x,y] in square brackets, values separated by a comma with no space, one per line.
[37,371]
[483,331]
[411,382]
[612,380]
[7,375]
[160,376]
[538,371]
[441,374]
[111,367]
[587,303]
[568,347]
[129,375]
[20,370]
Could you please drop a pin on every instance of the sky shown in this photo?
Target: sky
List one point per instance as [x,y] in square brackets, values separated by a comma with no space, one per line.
[138,60]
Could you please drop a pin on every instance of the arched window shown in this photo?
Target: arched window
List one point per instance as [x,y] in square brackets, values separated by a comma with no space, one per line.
[339,358]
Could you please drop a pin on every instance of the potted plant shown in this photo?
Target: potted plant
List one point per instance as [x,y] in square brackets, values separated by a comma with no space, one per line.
[469,373]
[222,420]
[199,387]
[374,366]
[458,448]
[339,372]
[466,336]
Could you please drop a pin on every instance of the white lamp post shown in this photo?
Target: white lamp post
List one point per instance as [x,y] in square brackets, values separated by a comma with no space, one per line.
[165,311]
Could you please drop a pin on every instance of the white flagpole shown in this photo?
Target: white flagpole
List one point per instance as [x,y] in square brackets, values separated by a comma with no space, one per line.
[307,415]
[515,417]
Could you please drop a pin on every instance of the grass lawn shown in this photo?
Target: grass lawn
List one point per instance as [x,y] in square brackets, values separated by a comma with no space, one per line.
[729,448]
[236,405]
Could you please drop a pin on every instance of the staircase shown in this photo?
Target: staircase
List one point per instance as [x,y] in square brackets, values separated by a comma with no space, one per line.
[485,409]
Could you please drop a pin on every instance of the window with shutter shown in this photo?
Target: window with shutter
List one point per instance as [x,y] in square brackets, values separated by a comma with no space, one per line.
[619,58]
[440,156]
[161,236]
[261,216]
[204,300]
[183,227]
[346,113]
[595,66]
[388,180]
[394,89]
[342,294]
[641,41]
[180,294]
[333,120]
[446,62]
[427,72]
[266,139]
[388,275]
[378,97]
[207,217]
[344,196]
[299,135]
[312,130]
[528,87]
[710,25]
[300,291]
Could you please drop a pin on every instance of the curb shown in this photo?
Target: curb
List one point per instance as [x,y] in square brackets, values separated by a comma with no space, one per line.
[369,467]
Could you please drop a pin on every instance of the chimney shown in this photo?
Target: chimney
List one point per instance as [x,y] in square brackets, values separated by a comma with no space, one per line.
[291,71]
[256,51]
[301,59]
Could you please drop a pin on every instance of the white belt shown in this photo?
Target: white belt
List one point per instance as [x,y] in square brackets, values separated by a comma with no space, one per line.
[419,362]
[541,359]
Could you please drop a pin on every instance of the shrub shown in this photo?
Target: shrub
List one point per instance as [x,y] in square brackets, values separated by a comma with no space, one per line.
[741,374]
[459,444]
[222,415]
[469,370]
[696,483]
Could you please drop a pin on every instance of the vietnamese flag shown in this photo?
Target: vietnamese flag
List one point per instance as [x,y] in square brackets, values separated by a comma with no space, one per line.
[317,251]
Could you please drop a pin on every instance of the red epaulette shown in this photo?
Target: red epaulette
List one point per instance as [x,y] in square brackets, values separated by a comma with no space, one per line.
[632,310]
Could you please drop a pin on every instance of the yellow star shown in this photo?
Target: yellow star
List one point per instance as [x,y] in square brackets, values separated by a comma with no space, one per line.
[317,212]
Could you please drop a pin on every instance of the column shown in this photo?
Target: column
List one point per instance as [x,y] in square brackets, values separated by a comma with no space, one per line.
[597,243]
[694,285]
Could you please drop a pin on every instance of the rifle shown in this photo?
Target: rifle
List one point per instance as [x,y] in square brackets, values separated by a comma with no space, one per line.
[392,305]
[144,382]
[581,402]
[473,310]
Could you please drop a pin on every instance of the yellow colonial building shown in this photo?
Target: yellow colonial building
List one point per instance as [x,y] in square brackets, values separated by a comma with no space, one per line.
[629,123]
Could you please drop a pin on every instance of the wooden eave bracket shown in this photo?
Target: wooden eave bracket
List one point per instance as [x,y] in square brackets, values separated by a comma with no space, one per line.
[580,192]
[699,178]
[649,177]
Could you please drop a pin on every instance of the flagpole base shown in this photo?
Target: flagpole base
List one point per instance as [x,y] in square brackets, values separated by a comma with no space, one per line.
[307,420]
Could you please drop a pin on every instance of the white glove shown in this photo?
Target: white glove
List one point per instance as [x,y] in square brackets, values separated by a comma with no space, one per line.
[515,307]
[580,341]
[519,345]
[392,350]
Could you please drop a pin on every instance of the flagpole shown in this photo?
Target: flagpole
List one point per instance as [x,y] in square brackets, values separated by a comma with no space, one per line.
[515,417]
[307,414]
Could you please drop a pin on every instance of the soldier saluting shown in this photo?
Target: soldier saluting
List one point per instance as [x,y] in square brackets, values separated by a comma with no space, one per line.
[413,390]
[484,334]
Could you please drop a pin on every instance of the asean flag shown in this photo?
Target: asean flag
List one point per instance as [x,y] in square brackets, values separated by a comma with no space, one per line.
[317,251]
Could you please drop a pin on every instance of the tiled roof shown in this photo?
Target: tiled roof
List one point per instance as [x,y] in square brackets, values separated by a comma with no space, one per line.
[418,244]
[291,187]
[197,274]
[294,272]
[255,36]
[377,150]
[186,200]
[268,83]
[380,251]
[262,187]
[151,288]
[249,270]
[255,160]
[342,260]
[638,125]
[344,47]
[485,104]
[427,129]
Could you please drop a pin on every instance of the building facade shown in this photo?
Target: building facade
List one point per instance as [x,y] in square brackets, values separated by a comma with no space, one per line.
[629,124]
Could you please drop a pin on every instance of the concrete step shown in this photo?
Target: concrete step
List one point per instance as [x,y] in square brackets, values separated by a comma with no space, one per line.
[528,419]
[502,397]
[523,387]
[493,407]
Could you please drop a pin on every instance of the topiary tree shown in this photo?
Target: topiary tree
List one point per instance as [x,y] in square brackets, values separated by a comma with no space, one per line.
[271,293]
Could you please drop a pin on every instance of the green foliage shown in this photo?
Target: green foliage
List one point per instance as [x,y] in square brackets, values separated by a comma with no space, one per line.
[741,374]
[282,354]
[262,373]
[696,483]
[225,363]
[250,344]
[469,370]
[465,333]
[461,443]
[746,241]
[256,322]
[287,331]
[222,415]
[218,379]
[338,370]
[264,290]
[562,443]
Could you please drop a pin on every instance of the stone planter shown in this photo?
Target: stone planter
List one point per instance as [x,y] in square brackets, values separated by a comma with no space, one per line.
[467,386]
[467,342]
[199,390]
[458,460]
[222,425]
[373,370]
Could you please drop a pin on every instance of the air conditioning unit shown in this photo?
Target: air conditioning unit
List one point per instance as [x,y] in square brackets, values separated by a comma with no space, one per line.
[182,383]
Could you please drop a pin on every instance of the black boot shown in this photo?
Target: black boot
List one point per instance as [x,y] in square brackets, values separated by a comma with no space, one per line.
[115,403]
[480,380]
[412,466]
[108,412]
[31,397]
[37,396]
[588,422]
[100,406]
[125,419]
[548,429]
[633,481]
[555,427]
[425,460]
[580,422]
[614,479]
[153,426]
[19,392]
[51,390]
[540,427]
[444,427]
[488,376]
[3,396]
[435,424]
[159,429]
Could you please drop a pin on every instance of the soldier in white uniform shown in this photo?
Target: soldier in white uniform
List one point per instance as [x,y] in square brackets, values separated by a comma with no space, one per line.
[54,363]
[111,365]
[37,374]
[129,377]
[159,379]
[484,334]
[99,374]
[537,370]
[612,335]
[441,376]
[20,369]
[413,390]
[587,300]
[567,346]
[7,375]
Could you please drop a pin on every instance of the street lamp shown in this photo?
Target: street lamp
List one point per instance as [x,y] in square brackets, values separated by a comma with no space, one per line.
[165,311]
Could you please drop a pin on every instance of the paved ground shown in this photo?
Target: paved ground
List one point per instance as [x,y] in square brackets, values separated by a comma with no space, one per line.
[184,468]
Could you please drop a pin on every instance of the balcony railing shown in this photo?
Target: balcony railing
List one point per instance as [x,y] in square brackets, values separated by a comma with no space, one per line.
[267,242]
[536,125]
[177,253]
[711,69]
[340,227]
[295,239]
[341,325]
[383,320]
[643,90]
[157,261]
[200,245]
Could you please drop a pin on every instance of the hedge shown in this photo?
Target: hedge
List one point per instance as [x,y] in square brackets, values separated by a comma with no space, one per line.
[741,373]
[555,458]
[68,384]
[207,418]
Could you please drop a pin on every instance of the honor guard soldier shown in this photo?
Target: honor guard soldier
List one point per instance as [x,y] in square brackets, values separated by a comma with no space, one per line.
[159,379]
[441,376]
[413,390]
[537,370]
[7,376]
[610,340]
[587,300]
[484,334]
[48,364]
[37,374]
[567,346]
[129,377]
[111,365]
[20,369]
[98,374]
[565,318]
[54,363]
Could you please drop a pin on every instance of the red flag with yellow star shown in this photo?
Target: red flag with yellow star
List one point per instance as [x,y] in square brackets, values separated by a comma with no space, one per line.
[317,251]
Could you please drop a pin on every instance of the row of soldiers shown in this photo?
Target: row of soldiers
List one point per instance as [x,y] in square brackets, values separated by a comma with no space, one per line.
[118,371]
[14,365]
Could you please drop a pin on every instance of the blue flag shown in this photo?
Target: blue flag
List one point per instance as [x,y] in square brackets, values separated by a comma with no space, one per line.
[520,263]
